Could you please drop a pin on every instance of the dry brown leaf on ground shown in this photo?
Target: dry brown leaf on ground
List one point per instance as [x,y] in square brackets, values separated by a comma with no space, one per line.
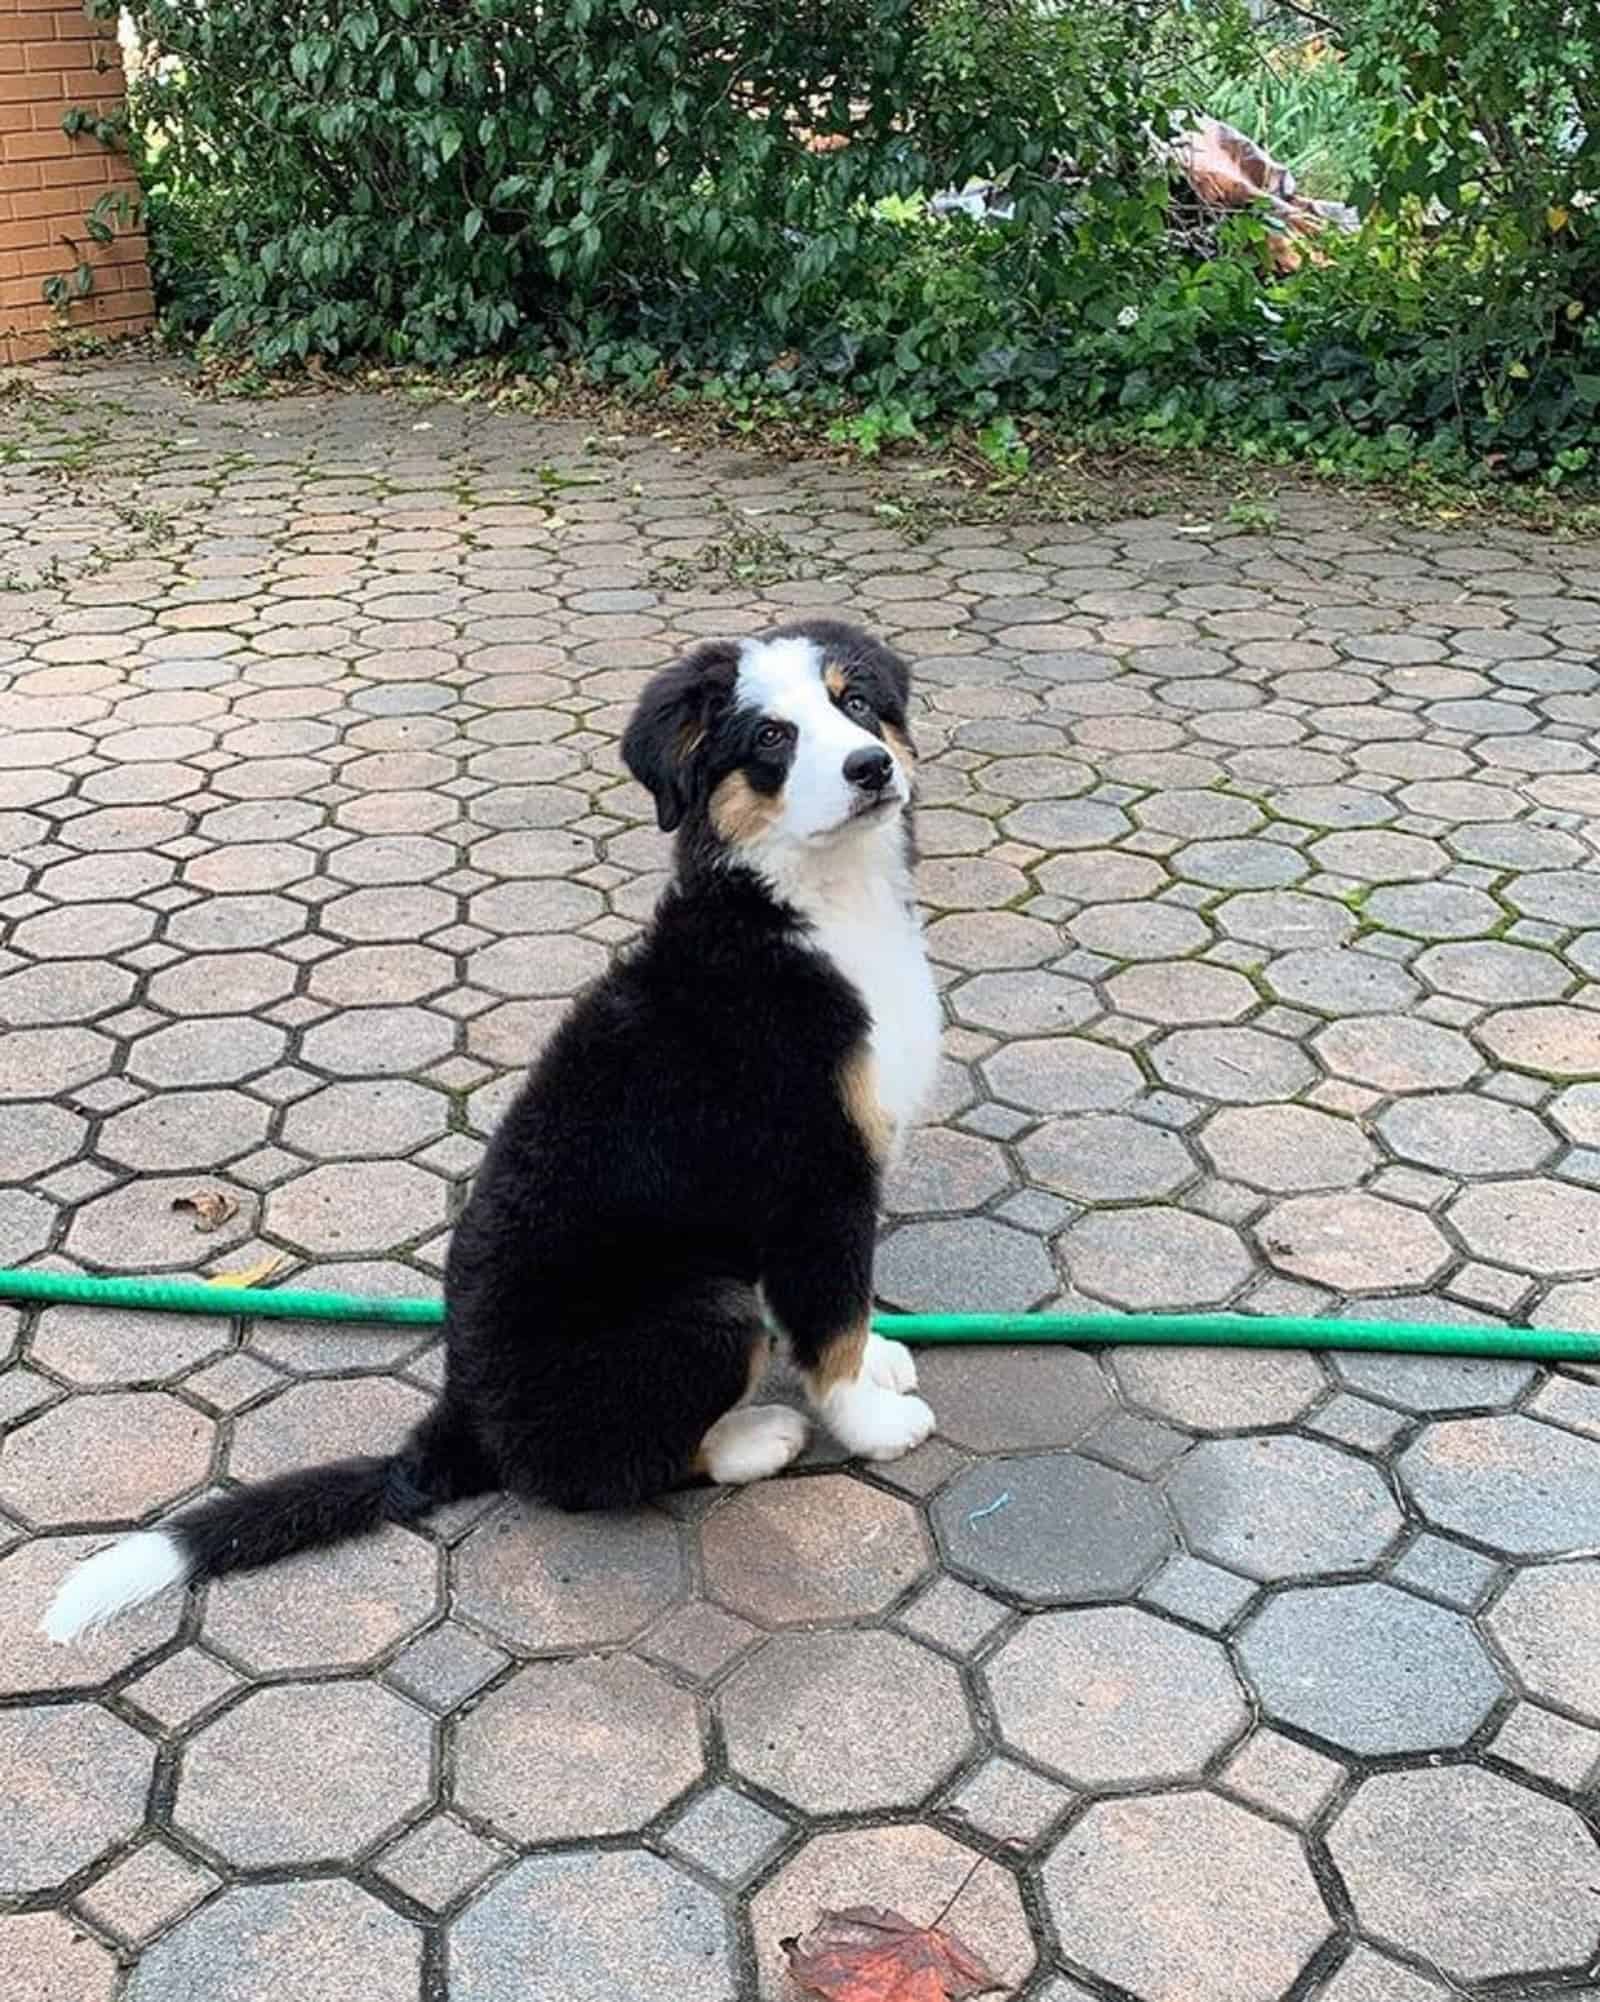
[866,1955]
[211,1208]
[250,1275]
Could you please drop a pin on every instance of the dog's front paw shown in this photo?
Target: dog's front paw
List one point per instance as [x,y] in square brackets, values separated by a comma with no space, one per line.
[890,1364]
[876,1423]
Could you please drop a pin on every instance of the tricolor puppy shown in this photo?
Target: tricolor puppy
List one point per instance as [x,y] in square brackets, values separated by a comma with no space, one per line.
[695,1159]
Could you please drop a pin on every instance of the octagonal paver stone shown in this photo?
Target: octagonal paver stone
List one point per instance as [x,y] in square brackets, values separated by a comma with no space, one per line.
[30,1576]
[1469,1872]
[1285,920]
[75,1782]
[1493,971]
[1176,992]
[217,1049]
[1235,1066]
[1153,1256]
[1369,1668]
[255,1785]
[185,1129]
[1377,855]
[1282,1507]
[1141,931]
[369,1042]
[369,1119]
[546,1581]
[1219,1390]
[261,1942]
[105,1459]
[356,1206]
[1433,1384]
[1030,1003]
[598,1926]
[1185,1898]
[1333,981]
[970,1264]
[1397,1053]
[1008,1400]
[1576,1111]
[1100,1157]
[1554,1040]
[50,1959]
[1540,1226]
[331,1608]
[45,1063]
[947,1171]
[804,1719]
[915,1870]
[775,1551]
[1062,1074]
[1548,1623]
[1460,1133]
[1065,1531]
[570,1749]
[36,1138]
[312,1422]
[1286,1149]
[1509,1482]
[1112,1697]
[1353,1243]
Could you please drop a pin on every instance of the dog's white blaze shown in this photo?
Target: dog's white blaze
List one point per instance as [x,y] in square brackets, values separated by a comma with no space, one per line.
[113,1580]
[854,887]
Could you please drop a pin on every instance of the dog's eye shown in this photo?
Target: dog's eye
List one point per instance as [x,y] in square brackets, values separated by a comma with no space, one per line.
[770,736]
[856,703]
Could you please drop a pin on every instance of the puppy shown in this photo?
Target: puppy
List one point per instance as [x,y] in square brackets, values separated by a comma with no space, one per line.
[695,1160]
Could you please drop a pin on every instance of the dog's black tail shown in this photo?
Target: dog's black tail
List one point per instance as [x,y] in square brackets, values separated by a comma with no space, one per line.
[305,1510]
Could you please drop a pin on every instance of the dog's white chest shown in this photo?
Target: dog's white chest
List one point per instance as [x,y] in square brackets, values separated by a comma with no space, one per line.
[874,939]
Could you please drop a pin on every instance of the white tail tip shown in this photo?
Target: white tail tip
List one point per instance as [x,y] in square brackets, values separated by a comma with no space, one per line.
[123,1575]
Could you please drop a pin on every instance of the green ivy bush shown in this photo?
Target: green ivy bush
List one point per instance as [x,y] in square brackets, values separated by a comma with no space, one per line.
[650,190]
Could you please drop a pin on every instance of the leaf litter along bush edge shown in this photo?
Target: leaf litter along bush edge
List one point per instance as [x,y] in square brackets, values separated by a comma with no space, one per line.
[662,196]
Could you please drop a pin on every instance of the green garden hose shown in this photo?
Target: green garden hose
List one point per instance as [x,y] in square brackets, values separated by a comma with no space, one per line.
[1243,1331]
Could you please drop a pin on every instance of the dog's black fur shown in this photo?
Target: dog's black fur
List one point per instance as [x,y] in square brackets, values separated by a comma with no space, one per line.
[681,1139]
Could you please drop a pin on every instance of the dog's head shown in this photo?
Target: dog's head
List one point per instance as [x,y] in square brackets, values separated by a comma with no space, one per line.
[796,739]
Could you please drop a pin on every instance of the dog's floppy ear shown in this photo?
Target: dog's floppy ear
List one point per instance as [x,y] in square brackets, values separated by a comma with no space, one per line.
[662,742]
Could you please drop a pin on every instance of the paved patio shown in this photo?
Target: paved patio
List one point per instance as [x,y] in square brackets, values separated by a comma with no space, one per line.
[1262,878]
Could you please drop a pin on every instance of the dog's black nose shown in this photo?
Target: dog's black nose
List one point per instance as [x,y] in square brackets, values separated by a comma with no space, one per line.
[871,768]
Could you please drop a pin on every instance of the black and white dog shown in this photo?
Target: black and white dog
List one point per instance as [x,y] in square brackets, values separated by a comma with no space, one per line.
[695,1159]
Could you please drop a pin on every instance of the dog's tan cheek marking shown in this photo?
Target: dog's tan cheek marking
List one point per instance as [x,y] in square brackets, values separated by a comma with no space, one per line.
[858,1087]
[834,679]
[738,812]
[840,1360]
[900,744]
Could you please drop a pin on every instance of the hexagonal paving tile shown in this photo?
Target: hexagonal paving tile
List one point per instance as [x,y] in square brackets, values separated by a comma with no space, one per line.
[771,1551]
[325,1609]
[1508,1482]
[1548,1623]
[917,1871]
[1282,1507]
[804,1719]
[1469,1872]
[570,1749]
[1369,1668]
[254,1785]
[260,1942]
[1113,1697]
[1185,1898]
[1001,1525]
[77,1781]
[554,1919]
[105,1459]
[546,1581]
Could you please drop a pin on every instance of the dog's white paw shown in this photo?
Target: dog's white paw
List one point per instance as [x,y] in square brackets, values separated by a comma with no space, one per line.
[890,1364]
[874,1422]
[752,1442]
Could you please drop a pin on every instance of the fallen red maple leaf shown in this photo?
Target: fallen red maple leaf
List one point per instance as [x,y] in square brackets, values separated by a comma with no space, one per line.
[867,1955]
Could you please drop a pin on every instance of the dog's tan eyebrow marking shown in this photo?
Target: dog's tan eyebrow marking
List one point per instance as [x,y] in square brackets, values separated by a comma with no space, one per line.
[834,679]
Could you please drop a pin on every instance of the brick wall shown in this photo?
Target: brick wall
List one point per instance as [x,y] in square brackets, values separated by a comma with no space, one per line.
[51,58]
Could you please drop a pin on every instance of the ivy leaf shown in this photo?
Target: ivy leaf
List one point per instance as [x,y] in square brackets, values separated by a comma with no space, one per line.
[862,1954]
